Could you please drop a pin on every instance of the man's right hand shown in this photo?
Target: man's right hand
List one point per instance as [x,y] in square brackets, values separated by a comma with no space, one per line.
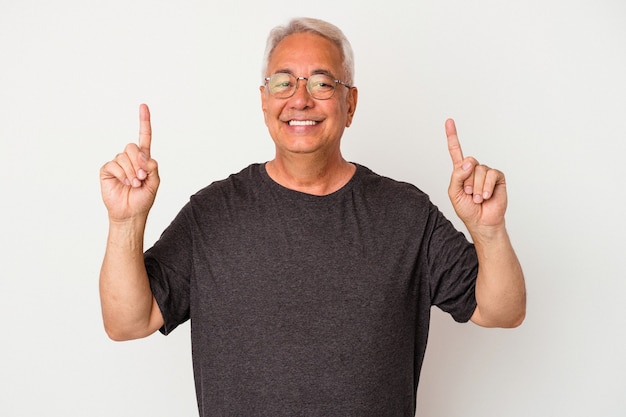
[129,185]
[129,182]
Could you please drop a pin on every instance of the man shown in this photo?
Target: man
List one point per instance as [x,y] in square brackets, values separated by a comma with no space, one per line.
[308,279]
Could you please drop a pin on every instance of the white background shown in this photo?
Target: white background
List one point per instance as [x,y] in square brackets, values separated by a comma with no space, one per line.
[537,89]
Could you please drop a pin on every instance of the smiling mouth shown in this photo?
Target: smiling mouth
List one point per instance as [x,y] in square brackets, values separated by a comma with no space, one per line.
[302,123]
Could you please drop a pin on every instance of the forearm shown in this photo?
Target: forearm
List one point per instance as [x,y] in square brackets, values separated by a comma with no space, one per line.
[500,286]
[125,294]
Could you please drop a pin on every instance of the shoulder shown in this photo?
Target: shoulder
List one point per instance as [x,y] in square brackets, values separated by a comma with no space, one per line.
[242,182]
[374,184]
[238,191]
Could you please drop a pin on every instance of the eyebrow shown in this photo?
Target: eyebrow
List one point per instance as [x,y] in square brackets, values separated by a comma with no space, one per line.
[317,71]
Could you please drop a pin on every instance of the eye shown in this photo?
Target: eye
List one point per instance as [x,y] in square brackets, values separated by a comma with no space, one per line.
[281,82]
[322,82]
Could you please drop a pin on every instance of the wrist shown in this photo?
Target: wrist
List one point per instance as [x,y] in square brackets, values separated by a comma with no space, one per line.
[127,232]
[488,234]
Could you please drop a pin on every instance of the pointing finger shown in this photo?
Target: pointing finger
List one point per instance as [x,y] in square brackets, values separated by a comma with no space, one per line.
[145,129]
[454,147]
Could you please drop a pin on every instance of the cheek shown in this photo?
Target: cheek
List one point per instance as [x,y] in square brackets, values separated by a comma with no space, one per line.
[266,114]
[266,106]
[271,115]
[347,115]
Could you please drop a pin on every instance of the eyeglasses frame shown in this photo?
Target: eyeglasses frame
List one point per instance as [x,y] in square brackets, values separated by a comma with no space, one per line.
[267,79]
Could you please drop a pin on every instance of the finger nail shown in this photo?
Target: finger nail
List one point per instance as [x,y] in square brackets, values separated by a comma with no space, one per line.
[478,198]
[141,174]
[136,183]
[469,189]
[467,166]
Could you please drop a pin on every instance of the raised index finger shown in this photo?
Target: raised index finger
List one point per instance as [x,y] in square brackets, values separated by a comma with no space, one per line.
[454,147]
[145,129]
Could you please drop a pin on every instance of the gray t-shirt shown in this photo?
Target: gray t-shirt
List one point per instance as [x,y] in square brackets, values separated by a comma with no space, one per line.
[307,305]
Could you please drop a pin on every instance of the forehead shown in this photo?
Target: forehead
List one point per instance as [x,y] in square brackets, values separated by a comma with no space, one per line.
[305,52]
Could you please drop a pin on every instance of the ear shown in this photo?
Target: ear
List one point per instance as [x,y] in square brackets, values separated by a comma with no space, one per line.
[353,95]
[263,102]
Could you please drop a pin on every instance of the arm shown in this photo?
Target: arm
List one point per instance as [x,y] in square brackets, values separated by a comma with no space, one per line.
[129,184]
[478,195]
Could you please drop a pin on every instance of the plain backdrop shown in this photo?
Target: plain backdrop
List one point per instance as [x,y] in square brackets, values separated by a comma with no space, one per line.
[537,89]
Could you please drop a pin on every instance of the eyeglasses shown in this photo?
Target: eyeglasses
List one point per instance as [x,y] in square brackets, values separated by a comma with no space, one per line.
[319,86]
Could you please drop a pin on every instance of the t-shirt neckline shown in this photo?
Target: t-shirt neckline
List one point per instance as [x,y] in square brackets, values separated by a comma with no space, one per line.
[299,195]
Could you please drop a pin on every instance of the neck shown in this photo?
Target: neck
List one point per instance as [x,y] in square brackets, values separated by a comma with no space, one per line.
[302,172]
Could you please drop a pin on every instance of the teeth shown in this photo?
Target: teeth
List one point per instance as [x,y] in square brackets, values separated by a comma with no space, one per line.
[302,122]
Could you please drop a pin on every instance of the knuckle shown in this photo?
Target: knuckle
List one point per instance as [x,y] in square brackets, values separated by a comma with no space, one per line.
[130,148]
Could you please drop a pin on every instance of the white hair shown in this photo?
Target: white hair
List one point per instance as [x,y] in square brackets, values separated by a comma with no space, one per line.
[310,25]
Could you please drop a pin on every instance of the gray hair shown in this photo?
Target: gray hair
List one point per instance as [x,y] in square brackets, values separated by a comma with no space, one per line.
[317,26]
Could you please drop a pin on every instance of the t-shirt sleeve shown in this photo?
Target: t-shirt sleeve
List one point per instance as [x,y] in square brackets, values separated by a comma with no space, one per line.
[453,265]
[169,265]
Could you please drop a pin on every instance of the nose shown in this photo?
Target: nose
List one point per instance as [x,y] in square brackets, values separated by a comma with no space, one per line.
[301,98]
